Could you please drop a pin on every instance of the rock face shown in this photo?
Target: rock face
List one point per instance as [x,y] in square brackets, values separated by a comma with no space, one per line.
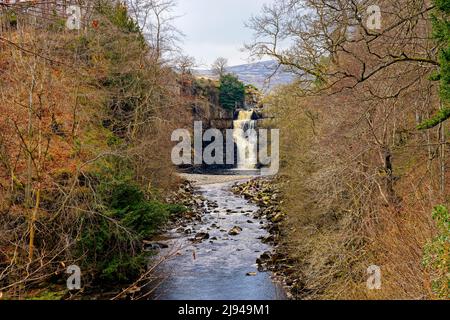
[206,107]
[212,116]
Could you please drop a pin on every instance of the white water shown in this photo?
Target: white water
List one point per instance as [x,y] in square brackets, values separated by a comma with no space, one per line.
[246,140]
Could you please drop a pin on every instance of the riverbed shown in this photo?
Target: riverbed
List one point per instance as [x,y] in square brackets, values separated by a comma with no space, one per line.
[207,261]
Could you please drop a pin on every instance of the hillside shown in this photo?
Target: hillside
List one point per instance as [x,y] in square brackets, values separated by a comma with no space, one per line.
[264,75]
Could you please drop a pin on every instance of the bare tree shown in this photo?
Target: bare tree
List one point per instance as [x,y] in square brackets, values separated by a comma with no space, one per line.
[155,18]
[219,66]
[185,64]
[333,47]
[363,91]
[308,35]
[46,108]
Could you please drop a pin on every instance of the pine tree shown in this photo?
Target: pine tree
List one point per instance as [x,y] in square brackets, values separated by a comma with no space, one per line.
[231,92]
[441,32]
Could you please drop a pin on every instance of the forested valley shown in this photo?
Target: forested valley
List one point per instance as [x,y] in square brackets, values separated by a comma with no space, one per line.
[87,177]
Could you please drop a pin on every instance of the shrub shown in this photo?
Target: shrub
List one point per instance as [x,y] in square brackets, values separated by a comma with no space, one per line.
[143,217]
[436,254]
[112,240]
[109,251]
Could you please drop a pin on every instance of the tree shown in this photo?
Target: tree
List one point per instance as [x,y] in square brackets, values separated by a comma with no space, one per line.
[231,92]
[219,66]
[252,95]
[335,48]
[185,64]
[441,28]
[58,135]
[349,129]
[155,19]
[320,35]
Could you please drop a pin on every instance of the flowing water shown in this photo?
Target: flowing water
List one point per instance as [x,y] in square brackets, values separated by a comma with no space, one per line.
[222,267]
[246,139]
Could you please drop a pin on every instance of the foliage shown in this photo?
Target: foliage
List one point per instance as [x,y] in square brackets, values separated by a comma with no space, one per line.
[108,111]
[129,206]
[49,295]
[118,14]
[111,241]
[439,118]
[441,32]
[436,254]
[110,254]
[360,182]
[231,92]
[252,95]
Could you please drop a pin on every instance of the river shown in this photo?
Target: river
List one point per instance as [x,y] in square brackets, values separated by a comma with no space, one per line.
[222,267]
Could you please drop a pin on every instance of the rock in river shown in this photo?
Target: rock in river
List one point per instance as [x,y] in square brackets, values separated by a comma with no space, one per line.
[202,236]
[235,231]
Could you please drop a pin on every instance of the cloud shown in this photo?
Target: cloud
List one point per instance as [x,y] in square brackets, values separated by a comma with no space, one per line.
[216,28]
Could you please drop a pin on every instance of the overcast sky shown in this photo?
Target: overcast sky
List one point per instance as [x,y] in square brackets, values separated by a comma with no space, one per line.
[215,28]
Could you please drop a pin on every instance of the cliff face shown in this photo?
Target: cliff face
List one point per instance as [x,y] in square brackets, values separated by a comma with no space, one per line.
[203,95]
[202,98]
[220,118]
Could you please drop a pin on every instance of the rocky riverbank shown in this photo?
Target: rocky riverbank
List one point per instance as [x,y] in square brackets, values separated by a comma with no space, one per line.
[266,193]
[192,207]
[192,200]
[215,254]
[195,204]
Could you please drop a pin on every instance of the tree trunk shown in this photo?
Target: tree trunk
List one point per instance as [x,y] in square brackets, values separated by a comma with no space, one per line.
[442,159]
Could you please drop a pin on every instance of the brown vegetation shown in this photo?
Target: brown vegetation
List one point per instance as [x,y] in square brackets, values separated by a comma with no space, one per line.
[362,179]
[82,117]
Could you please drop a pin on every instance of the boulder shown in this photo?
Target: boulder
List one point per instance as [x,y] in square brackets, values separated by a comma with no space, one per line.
[235,231]
[277,218]
[202,236]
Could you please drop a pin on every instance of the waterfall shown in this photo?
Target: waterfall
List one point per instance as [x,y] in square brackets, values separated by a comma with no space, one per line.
[246,139]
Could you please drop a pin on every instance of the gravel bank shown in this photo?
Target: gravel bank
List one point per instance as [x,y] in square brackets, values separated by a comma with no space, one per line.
[202,179]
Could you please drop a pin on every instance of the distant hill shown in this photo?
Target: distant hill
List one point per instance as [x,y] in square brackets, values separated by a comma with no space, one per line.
[257,74]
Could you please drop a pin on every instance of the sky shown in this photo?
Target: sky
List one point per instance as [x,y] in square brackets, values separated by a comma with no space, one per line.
[215,28]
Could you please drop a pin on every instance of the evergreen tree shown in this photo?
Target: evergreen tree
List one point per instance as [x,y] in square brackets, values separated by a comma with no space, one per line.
[441,32]
[231,92]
